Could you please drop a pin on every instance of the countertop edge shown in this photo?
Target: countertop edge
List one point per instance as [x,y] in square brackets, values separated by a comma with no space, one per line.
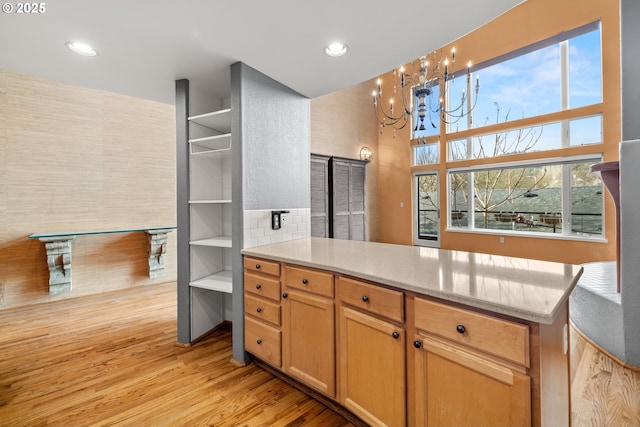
[545,318]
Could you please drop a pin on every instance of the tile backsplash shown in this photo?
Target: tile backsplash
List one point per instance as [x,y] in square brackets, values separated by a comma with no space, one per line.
[258,232]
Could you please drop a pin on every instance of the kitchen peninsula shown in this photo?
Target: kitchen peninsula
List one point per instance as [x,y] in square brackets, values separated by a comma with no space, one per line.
[404,335]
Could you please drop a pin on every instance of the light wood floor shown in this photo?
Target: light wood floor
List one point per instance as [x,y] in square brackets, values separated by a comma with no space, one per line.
[112,360]
[603,392]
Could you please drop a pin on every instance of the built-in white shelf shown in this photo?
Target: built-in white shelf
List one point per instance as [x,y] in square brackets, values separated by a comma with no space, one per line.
[218,120]
[218,242]
[218,144]
[209,202]
[220,282]
[216,154]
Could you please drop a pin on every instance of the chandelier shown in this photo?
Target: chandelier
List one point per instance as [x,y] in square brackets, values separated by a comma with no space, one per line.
[428,87]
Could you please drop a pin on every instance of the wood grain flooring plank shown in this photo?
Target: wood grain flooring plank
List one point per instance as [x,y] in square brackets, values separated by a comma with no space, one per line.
[604,393]
[111,359]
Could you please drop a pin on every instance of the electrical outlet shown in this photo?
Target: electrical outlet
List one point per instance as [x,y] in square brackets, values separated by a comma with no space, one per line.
[277,219]
[501,239]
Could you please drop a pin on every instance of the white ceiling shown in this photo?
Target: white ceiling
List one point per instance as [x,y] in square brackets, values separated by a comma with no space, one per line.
[145,45]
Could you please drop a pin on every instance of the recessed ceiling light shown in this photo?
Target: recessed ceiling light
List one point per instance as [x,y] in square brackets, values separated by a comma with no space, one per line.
[81,48]
[336,49]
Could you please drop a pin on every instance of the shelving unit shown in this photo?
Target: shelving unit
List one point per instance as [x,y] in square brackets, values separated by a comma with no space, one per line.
[212,134]
[210,219]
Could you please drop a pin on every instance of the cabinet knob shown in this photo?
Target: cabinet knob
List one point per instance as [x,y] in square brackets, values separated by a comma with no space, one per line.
[417,344]
[305,281]
[285,295]
[258,266]
[395,335]
[259,310]
[258,286]
[259,342]
[461,329]
[365,298]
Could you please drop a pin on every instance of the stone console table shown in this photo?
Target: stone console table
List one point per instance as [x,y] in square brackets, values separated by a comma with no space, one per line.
[58,247]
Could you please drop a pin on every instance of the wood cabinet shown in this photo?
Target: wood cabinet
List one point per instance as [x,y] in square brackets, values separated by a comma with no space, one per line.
[263,317]
[371,352]
[470,369]
[396,358]
[308,328]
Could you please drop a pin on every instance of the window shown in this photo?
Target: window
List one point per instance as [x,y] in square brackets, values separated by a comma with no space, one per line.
[532,102]
[582,131]
[426,154]
[551,76]
[562,198]
[427,227]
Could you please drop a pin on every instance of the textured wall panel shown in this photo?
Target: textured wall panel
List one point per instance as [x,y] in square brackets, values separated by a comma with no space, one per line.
[74,158]
[275,143]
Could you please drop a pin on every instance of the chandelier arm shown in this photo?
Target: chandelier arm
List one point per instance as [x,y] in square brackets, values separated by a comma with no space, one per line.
[385,114]
[393,120]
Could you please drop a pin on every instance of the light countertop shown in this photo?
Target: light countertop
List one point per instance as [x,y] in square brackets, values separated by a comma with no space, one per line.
[522,288]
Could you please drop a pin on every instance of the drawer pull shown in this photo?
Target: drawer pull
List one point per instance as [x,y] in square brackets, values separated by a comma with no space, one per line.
[461,329]
[417,343]
[395,335]
[259,342]
[259,310]
[365,298]
[305,281]
[258,286]
[285,295]
[258,266]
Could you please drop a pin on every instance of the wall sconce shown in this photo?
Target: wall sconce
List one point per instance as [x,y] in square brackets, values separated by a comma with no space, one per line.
[366,154]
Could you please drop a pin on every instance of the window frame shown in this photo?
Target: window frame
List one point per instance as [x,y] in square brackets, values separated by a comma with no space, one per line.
[566,153]
[417,241]
[566,234]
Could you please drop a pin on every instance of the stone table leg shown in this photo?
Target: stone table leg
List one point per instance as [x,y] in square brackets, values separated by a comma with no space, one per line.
[59,263]
[157,250]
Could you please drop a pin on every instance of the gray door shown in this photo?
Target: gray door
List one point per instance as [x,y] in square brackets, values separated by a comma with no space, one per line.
[348,221]
[319,196]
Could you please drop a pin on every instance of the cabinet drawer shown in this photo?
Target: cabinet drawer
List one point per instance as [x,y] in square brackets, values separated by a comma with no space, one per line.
[495,336]
[382,301]
[318,282]
[262,266]
[267,287]
[263,341]
[262,309]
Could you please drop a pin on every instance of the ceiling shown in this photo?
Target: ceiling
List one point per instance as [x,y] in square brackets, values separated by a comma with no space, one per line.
[145,45]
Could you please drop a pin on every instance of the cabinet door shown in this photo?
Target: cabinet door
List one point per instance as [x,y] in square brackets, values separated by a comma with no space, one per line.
[372,368]
[308,335]
[348,177]
[458,388]
[319,196]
